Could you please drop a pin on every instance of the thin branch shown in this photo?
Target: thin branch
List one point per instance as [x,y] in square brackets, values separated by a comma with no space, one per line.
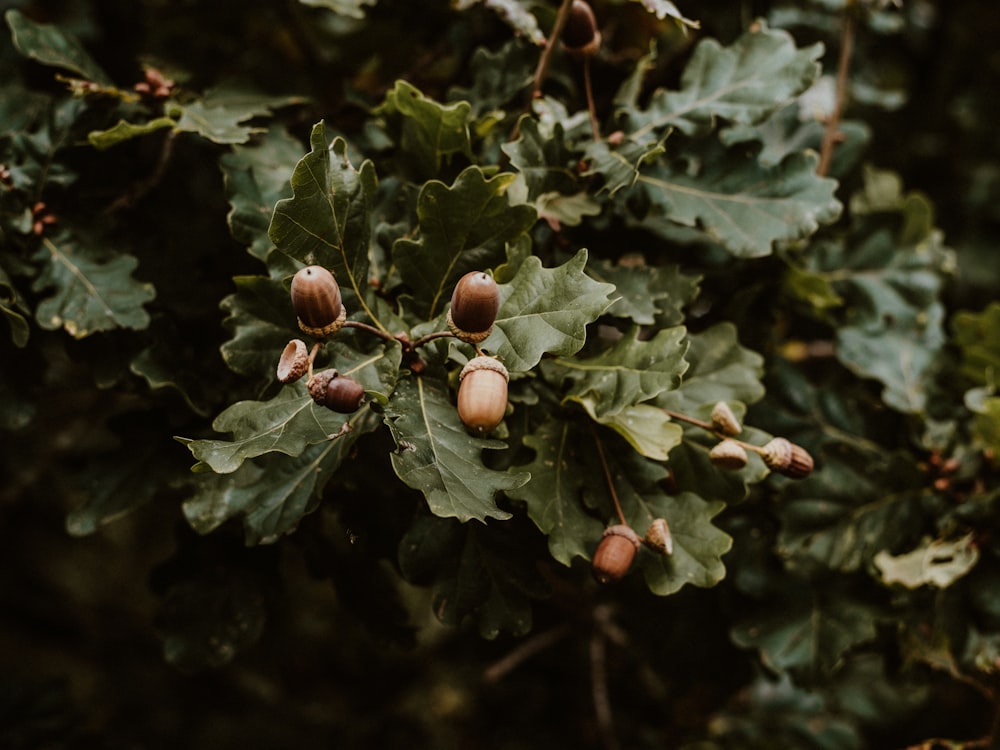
[611,482]
[371,329]
[141,188]
[594,126]
[599,691]
[431,337]
[541,71]
[533,645]
[832,133]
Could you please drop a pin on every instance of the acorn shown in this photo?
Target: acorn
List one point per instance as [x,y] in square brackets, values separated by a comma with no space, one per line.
[728,454]
[787,458]
[344,394]
[482,394]
[294,362]
[474,306]
[580,35]
[659,538]
[317,302]
[615,553]
[339,393]
[724,421]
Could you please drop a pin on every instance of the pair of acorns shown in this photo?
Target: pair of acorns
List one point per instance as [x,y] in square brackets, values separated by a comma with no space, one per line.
[475,301]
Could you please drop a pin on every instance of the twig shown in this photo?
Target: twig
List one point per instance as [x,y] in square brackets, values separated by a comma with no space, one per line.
[534,645]
[611,482]
[599,691]
[832,132]
[543,62]
[594,126]
[141,188]
[430,337]
[371,329]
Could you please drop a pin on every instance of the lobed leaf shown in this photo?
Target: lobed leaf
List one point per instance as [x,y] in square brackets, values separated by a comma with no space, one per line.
[738,202]
[50,45]
[86,293]
[428,132]
[554,494]
[260,320]
[545,310]
[327,219]
[463,227]
[647,294]
[221,114]
[350,8]
[437,455]
[741,84]
[291,420]
[629,372]
[977,335]
[515,13]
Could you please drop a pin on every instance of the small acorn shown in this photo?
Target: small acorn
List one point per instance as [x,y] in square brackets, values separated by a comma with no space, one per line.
[580,35]
[724,421]
[317,302]
[339,393]
[474,306]
[787,458]
[482,394]
[344,394]
[294,362]
[615,553]
[659,538]
[728,454]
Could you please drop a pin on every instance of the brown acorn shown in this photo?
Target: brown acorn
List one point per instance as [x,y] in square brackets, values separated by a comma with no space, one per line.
[294,362]
[728,454]
[580,35]
[317,302]
[318,382]
[474,306]
[787,458]
[482,394]
[344,394]
[615,553]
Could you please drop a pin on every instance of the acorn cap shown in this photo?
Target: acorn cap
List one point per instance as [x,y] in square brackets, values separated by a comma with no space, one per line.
[728,454]
[615,553]
[659,538]
[318,383]
[724,421]
[294,362]
[484,363]
[787,458]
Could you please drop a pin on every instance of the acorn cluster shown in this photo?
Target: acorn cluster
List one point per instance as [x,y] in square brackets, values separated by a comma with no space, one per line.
[319,308]
[321,313]
[619,544]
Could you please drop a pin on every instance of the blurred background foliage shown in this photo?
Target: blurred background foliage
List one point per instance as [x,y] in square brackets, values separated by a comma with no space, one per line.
[143,634]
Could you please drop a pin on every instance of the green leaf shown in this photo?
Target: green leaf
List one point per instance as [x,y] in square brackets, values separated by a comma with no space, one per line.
[629,372]
[738,202]
[477,571]
[261,321]
[720,370]
[498,77]
[88,294]
[291,420]
[850,510]
[350,8]
[272,493]
[809,630]
[554,494]
[978,337]
[936,562]
[743,83]
[515,13]
[666,9]
[544,160]
[327,221]
[647,294]
[220,115]
[14,310]
[427,131]
[649,430]
[464,227]
[437,455]
[986,422]
[50,45]
[256,176]
[698,545]
[545,310]
[123,131]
